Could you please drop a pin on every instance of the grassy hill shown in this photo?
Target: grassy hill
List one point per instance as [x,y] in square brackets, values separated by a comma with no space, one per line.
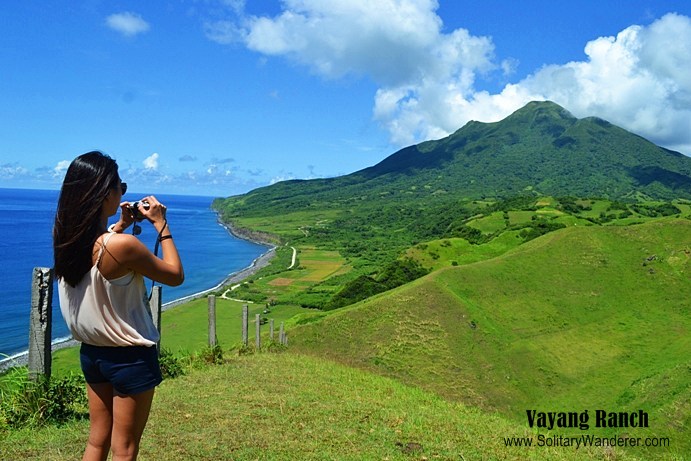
[290,407]
[373,242]
[581,318]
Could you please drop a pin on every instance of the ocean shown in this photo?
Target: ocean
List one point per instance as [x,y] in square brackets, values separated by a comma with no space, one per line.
[208,251]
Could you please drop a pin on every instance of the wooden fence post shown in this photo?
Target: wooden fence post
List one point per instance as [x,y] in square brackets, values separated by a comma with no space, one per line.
[212,320]
[245,326]
[155,306]
[41,323]
[271,329]
[281,334]
[257,334]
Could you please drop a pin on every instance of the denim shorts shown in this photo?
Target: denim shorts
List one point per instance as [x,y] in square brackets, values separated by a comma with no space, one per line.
[130,370]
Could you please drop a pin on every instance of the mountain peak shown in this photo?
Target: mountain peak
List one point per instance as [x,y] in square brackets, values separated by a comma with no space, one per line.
[537,113]
[541,147]
[545,106]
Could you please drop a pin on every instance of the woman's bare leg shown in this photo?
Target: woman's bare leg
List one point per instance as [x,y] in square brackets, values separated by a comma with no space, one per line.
[101,416]
[130,414]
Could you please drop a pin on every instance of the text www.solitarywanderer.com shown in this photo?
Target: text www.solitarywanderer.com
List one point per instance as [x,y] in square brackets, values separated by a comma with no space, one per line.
[582,420]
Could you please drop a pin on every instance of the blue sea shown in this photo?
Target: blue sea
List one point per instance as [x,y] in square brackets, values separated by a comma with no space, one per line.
[209,254]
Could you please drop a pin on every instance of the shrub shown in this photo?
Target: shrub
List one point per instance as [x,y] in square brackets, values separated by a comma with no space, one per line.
[276,347]
[665,209]
[395,274]
[246,349]
[171,365]
[66,399]
[539,228]
[212,355]
[24,402]
[362,287]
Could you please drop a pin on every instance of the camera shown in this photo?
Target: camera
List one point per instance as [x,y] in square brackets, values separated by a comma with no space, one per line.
[134,207]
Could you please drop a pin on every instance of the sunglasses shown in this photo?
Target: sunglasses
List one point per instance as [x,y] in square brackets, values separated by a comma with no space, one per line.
[123,187]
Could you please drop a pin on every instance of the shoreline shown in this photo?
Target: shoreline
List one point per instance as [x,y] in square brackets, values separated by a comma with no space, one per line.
[258,263]
[22,358]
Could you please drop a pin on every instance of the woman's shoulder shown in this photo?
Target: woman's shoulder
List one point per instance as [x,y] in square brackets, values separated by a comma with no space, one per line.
[117,238]
[123,243]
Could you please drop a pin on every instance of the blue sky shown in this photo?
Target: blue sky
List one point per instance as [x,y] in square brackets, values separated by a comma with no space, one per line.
[217,97]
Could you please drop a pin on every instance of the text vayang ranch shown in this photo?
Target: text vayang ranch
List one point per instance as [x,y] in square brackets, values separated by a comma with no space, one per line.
[582,420]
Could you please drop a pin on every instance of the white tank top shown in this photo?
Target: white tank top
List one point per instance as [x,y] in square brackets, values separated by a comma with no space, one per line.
[103,312]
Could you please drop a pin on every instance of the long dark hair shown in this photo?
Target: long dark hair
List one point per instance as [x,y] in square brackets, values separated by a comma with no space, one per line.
[89,179]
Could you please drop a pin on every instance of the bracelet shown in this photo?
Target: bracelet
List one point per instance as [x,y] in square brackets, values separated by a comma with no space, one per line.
[111,228]
[165,237]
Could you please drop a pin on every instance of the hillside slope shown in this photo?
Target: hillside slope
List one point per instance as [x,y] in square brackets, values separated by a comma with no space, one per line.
[582,318]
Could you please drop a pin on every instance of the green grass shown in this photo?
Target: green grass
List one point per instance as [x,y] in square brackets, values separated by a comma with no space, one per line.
[437,254]
[489,224]
[294,407]
[504,233]
[291,224]
[520,217]
[186,329]
[313,267]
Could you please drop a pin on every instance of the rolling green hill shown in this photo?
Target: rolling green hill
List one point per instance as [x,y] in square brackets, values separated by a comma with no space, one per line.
[581,318]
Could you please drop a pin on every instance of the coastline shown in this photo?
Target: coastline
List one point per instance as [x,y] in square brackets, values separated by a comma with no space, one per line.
[22,358]
[258,263]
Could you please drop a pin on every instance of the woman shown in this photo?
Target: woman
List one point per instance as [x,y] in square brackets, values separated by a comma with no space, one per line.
[103,299]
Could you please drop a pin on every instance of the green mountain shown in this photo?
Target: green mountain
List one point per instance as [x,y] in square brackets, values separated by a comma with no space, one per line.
[543,148]
[540,149]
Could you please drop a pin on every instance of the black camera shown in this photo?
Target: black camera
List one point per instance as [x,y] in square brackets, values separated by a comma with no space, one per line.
[134,207]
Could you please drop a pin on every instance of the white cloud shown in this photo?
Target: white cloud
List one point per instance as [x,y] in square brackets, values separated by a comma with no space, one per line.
[127,23]
[236,5]
[427,77]
[508,66]
[12,171]
[393,41]
[635,80]
[224,32]
[638,80]
[61,168]
[151,162]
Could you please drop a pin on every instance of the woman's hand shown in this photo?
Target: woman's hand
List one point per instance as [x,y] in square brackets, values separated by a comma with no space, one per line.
[126,218]
[156,214]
